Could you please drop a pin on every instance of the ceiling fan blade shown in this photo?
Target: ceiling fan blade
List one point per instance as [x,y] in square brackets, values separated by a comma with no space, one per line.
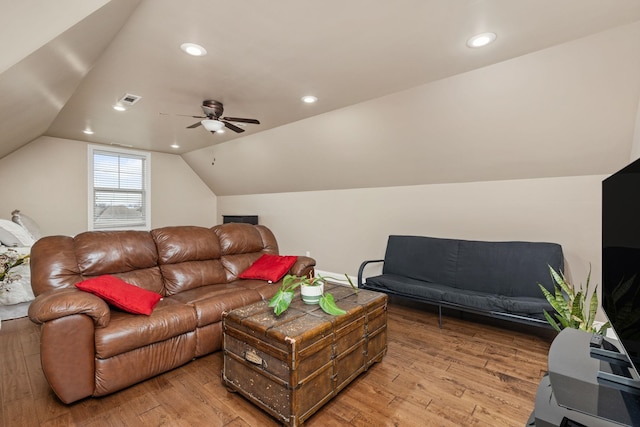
[189,115]
[241,120]
[232,126]
[195,125]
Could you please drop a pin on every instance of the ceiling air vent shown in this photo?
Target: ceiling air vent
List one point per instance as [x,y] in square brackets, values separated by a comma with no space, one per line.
[129,99]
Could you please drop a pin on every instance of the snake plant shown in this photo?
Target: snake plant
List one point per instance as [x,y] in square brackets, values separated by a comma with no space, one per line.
[574,307]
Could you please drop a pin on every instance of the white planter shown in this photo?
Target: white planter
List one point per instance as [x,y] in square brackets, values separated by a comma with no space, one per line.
[311,294]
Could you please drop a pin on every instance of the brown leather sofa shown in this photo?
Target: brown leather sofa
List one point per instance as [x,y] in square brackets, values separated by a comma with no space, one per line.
[89,348]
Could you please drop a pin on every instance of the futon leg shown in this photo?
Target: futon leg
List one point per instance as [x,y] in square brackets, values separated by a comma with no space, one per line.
[440,316]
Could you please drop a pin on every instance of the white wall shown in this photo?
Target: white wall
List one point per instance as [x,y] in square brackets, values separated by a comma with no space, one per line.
[178,195]
[635,146]
[47,180]
[343,228]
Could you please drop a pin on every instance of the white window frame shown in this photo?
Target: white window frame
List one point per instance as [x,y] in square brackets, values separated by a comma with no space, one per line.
[146,156]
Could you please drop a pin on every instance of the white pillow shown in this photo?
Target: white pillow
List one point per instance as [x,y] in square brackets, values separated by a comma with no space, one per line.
[11,234]
[27,223]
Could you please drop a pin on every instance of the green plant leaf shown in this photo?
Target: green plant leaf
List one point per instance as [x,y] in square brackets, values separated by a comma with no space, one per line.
[324,280]
[281,300]
[586,286]
[561,305]
[576,307]
[290,282]
[355,288]
[328,305]
[603,328]
[593,308]
[561,281]
[552,322]
[546,293]
[565,322]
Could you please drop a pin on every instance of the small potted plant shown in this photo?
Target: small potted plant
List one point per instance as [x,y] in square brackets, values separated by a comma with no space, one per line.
[574,307]
[312,291]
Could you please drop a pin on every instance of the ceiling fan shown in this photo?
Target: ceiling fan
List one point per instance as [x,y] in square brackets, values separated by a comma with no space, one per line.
[212,120]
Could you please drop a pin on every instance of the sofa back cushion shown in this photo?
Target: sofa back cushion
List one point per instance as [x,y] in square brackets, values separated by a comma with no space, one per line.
[505,268]
[53,264]
[242,244]
[129,255]
[189,257]
[165,260]
[428,259]
[512,269]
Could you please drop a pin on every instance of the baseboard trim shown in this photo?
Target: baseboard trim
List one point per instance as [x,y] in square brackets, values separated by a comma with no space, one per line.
[336,278]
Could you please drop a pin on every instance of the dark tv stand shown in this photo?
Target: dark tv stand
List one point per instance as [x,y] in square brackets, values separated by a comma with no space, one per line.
[581,390]
[619,364]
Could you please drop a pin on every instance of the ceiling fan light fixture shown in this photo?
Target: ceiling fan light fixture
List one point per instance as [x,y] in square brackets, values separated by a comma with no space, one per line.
[212,125]
[480,40]
[193,49]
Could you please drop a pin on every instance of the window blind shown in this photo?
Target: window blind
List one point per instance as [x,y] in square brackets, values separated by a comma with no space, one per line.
[119,190]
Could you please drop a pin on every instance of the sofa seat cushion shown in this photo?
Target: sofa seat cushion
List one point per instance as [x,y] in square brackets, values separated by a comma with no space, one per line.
[211,301]
[525,306]
[532,307]
[481,301]
[405,285]
[472,299]
[265,289]
[126,331]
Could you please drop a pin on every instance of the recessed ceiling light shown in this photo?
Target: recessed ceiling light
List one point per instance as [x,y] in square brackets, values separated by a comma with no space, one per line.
[88,131]
[220,131]
[193,49]
[174,145]
[480,40]
[309,99]
[118,107]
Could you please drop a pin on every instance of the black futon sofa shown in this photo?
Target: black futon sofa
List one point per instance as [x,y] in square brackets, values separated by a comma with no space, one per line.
[497,279]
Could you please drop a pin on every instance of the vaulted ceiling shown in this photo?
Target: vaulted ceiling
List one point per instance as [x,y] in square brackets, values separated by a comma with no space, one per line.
[65,65]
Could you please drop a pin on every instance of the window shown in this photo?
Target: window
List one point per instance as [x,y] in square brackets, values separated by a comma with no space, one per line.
[119,196]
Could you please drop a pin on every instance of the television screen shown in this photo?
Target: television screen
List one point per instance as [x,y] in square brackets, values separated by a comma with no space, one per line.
[621,257]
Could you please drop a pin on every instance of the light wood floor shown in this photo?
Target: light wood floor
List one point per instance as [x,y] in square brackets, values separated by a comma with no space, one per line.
[466,374]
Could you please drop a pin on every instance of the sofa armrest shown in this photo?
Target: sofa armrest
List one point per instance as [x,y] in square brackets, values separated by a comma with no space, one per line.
[362,266]
[58,303]
[303,266]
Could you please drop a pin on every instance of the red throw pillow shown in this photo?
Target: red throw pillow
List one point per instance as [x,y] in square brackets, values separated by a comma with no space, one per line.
[269,267]
[123,295]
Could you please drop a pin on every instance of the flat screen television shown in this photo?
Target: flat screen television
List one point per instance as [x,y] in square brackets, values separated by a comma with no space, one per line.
[621,258]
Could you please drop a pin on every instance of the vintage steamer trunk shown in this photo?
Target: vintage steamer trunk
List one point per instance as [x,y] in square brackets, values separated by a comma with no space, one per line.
[293,364]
